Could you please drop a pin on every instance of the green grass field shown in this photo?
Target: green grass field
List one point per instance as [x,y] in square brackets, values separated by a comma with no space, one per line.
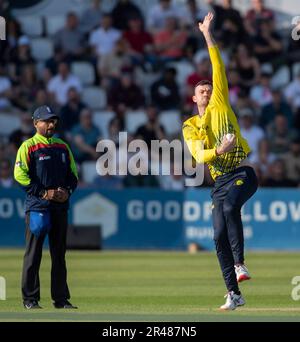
[155,286]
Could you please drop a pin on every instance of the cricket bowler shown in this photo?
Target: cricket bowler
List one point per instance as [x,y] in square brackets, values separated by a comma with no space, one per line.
[224,150]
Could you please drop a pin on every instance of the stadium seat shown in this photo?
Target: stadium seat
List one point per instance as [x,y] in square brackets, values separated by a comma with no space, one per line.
[170,120]
[281,78]
[89,171]
[145,81]
[134,119]
[101,119]
[296,69]
[40,68]
[283,22]
[32,26]
[266,68]
[54,23]
[84,71]
[94,97]
[8,123]
[42,48]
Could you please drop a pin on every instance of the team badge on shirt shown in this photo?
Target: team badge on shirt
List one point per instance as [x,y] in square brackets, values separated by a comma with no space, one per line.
[239,182]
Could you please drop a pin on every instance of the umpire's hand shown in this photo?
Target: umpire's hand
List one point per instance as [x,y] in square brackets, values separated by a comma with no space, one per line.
[60,195]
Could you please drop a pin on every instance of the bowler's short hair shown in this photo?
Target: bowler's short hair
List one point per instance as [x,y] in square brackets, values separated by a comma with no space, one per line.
[203,82]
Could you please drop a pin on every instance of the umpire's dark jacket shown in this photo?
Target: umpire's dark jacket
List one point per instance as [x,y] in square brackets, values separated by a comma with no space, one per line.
[41,164]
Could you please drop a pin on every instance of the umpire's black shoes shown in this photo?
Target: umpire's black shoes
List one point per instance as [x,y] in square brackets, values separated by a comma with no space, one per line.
[64,305]
[31,304]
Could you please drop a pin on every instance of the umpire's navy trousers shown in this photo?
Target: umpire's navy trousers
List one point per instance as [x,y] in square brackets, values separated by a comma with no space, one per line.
[33,256]
[229,194]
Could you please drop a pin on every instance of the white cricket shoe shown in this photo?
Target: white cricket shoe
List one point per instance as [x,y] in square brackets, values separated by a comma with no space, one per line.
[242,273]
[232,301]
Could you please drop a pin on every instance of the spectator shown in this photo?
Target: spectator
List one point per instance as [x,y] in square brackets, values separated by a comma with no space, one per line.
[223,12]
[114,128]
[42,98]
[20,58]
[267,43]
[256,14]
[126,92]
[52,63]
[251,132]
[278,176]
[292,93]
[279,135]
[59,85]
[5,89]
[152,130]
[137,169]
[293,50]
[278,105]
[5,9]
[120,112]
[191,14]
[159,13]
[24,92]
[69,114]
[247,66]
[85,138]
[124,154]
[244,101]
[26,130]
[13,33]
[46,78]
[202,72]
[234,86]
[5,152]
[261,94]
[103,39]
[263,157]
[91,17]
[112,65]
[292,161]
[140,42]
[70,38]
[228,23]
[169,41]
[123,11]
[164,92]
[259,175]
[6,179]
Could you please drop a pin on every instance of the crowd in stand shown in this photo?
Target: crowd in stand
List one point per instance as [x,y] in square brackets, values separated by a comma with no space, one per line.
[125,47]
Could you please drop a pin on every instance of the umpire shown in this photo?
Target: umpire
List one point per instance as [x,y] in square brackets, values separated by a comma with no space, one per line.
[46,170]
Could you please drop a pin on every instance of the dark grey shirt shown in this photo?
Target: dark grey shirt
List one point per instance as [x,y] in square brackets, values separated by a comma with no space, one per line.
[69,41]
